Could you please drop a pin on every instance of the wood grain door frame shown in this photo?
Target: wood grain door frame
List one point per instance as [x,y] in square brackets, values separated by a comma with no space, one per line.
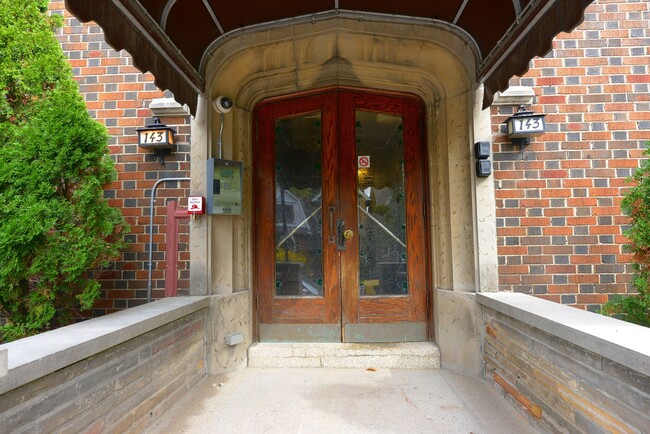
[307,310]
[340,307]
[379,318]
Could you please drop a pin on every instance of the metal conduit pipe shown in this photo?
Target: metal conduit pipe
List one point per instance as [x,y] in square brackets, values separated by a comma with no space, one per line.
[153,196]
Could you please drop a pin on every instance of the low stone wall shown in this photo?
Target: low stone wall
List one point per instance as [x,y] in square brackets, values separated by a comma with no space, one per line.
[4,362]
[568,369]
[117,373]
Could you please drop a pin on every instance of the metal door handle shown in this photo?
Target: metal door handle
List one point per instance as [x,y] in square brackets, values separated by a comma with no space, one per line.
[340,234]
[331,238]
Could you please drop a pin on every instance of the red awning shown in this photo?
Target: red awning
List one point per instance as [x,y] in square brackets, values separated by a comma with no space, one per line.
[171,37]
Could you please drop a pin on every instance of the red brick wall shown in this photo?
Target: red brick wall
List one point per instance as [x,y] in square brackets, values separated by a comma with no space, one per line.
[118,96]
[559,221]
[560,227]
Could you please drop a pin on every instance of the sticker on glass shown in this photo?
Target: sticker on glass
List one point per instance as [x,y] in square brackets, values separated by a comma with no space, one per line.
[363,161]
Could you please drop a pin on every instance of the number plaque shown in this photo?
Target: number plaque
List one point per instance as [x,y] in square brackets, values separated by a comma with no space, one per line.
[525,124]
[156,136]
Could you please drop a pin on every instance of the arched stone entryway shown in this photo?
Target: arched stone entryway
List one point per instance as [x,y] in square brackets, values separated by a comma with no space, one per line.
[434,63]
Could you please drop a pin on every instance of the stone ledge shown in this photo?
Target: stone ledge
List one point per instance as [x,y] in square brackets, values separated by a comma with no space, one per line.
[515,96]
[167,107]
[3,363]
[622,342]
[36,356]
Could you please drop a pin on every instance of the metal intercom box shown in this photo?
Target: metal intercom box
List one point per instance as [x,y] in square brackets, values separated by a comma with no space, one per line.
[224,192]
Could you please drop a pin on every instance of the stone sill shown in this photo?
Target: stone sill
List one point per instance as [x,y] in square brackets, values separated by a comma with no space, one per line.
[36,356]
[622,342]
[515,96]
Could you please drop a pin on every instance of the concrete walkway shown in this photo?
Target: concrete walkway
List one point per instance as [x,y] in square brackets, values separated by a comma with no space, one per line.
[298,400]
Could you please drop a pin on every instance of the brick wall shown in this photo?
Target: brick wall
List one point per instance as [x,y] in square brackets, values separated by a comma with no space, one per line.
[118,95]
[558,200]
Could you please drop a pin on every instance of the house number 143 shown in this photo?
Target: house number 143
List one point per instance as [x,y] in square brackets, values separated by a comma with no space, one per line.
[529,124]
[153,136]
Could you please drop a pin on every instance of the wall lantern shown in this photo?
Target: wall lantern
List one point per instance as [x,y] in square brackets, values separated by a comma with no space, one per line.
[523,125]
[156,136]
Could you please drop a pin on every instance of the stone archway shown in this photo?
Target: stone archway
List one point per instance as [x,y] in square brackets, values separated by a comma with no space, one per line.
[433,63]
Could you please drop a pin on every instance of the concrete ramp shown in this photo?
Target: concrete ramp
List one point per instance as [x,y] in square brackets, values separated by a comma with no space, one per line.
[343,401]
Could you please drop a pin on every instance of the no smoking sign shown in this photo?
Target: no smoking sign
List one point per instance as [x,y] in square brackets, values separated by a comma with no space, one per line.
[363,161]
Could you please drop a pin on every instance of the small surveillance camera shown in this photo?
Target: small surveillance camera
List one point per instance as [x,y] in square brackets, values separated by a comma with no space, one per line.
[222,104]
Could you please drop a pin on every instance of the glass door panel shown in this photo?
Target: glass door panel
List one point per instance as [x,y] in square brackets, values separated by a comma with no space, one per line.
[381,204]
[298,207]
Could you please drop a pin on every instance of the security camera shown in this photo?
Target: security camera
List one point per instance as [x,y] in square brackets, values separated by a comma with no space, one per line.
[222,104]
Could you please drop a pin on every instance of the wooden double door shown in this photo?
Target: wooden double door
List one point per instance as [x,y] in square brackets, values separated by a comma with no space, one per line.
[340,232]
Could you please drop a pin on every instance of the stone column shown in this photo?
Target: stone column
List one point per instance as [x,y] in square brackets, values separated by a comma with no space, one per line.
[485,227]
[200,227]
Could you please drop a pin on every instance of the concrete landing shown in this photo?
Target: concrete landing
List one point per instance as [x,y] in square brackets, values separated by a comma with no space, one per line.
[343,401]
[403,355]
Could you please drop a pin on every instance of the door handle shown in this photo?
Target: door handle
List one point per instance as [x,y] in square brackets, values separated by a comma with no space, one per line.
[340,229]
[331,238]
[340,234]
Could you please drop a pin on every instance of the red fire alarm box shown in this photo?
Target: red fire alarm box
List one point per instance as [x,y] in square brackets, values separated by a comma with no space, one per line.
[195,205]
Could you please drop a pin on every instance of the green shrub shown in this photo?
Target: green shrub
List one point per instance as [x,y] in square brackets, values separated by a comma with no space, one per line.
[636,204]
[55,225]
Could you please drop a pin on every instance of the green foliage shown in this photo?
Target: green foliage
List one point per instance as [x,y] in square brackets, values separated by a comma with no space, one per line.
[55,226]
[636,204]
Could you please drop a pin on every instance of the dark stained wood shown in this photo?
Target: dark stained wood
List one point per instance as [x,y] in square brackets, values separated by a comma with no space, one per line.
[264,206]
[385,309]
[416,222]
[278,310]
[439,10]
[330,172]
[411,308]
[232,16]
[348,197]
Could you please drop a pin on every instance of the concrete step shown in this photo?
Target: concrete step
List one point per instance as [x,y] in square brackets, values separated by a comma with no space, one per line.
[403,355]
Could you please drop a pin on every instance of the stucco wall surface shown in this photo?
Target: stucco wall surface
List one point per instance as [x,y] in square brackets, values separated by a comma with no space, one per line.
[230,313]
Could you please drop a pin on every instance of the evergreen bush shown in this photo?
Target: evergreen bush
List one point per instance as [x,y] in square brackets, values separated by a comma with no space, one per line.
[635,308]
[56,228]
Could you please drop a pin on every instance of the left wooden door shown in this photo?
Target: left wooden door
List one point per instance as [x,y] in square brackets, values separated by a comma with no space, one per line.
[296,196]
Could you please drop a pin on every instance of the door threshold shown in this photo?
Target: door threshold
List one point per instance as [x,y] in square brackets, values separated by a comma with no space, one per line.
[394,355]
